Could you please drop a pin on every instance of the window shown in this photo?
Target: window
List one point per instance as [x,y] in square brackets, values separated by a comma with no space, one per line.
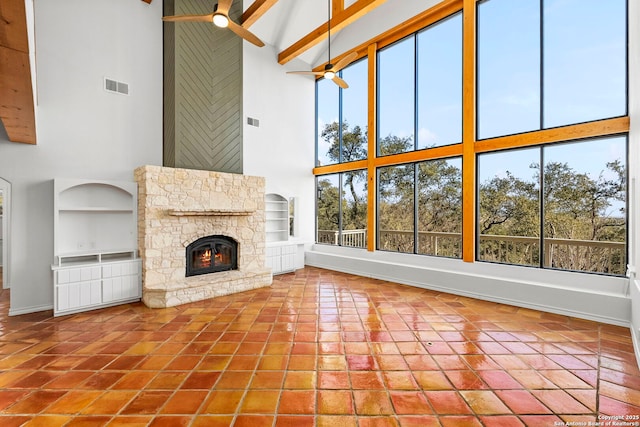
[582,207]
[439,54]
[396,97]
[508,64]
[327,119]
[420,208]
[354,112]
[396,208]
[342,209]
[550,63]
[328,209]
[584,61]
[342,117]
[354,209]
[509,207]
[293,223]
[544,198]
[439,192]
[420,89]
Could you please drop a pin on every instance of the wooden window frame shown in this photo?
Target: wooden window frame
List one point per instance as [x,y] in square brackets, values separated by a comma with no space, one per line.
[470,146]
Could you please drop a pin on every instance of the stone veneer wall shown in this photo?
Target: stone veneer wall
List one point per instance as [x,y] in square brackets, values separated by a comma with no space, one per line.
[163,237]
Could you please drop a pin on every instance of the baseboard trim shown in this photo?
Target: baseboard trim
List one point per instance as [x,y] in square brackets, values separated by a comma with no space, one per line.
[635,318]
[29,310]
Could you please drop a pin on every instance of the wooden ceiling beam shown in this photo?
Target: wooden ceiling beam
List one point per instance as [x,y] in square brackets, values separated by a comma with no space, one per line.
[338,22]
[13,25]
[16,91]
[255,12]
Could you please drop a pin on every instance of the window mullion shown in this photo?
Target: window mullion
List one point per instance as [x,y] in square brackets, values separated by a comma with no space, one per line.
[469,39]
[541,64]
[416,207]
[541,204]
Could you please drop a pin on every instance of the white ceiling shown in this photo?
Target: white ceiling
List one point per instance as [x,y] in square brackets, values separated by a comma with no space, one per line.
[290,20]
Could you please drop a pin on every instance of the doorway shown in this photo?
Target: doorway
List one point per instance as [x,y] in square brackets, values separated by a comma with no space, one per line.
[5,218]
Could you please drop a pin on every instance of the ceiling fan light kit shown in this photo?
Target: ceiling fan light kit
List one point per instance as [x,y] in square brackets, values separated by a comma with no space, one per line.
[220,20]
[331,70]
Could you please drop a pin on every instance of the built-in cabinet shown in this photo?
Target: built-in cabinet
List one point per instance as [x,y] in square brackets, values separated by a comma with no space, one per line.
[282,254]
[95,240]
[282,257]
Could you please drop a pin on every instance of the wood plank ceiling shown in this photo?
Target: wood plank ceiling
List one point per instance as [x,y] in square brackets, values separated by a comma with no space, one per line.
[16,91]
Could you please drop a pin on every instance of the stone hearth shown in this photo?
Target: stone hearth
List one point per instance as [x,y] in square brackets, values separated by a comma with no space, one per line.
[179,206]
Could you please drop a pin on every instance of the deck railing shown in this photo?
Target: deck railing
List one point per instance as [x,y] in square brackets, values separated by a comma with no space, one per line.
[352,238]
[567,254]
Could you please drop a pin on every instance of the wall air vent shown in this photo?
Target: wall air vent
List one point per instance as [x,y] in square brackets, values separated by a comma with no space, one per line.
[253,122]
[115,86]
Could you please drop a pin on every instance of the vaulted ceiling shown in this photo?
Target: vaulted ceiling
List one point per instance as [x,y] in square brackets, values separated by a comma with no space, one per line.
[296,29]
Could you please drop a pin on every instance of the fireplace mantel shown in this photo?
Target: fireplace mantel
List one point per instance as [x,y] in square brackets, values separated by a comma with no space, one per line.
[210,212]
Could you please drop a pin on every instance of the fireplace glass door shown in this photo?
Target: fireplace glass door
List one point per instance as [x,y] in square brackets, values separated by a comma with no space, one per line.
[212,254]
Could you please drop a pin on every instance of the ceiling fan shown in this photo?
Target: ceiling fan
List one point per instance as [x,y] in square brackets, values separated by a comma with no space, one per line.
[330,71]
[220,18]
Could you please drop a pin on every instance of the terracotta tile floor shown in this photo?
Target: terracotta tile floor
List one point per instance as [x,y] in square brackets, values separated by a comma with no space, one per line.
[318,348]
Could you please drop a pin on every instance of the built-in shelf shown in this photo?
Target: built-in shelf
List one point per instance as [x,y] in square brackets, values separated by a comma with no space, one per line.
[277,218]
[211,212]
[96,260]
[92,257]
[92,209]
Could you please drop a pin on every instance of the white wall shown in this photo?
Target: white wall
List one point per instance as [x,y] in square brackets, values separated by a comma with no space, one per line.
[5,188]
[2,184]
[82,130]
[634,165]
[282,148]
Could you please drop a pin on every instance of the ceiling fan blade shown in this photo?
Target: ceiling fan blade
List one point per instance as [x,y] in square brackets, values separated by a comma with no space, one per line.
[245,34]
[224,6]
[344,61]
[309,73]
[337,80]
[192,18]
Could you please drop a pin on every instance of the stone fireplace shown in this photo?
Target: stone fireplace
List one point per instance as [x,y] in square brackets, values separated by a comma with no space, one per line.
[201,234]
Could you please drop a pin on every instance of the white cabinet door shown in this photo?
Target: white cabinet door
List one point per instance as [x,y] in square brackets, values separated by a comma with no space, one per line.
[121,281]
[273,259]
[72,296]
[281,259]
[288,258]
[81,288]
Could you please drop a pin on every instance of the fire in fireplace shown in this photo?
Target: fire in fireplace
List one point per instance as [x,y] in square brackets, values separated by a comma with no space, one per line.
[212,254]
